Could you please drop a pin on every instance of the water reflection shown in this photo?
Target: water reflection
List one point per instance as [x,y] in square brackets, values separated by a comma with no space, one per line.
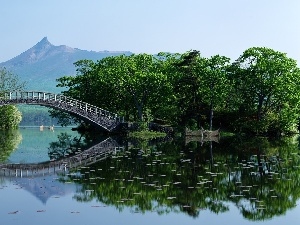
[9,140]
[42,187]
[30,145]
[260,177]
[33,144]
[64,146]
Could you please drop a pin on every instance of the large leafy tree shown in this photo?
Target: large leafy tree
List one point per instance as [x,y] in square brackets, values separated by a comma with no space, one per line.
[165,107]
[186,85]
[9,81]
[129,85]
[200,86]
[79,87]
[142,79]
[256,93]
[10,116]
[215,86]
[267,90]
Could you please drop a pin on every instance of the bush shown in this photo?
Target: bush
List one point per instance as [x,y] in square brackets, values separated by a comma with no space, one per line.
[10,117]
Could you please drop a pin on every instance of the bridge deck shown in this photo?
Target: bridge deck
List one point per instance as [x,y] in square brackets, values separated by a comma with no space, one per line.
[103,118]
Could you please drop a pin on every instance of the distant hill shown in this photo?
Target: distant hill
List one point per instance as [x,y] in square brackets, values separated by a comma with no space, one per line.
[42,64]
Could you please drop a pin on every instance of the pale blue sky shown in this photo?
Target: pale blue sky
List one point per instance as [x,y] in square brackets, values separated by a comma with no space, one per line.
[225,27]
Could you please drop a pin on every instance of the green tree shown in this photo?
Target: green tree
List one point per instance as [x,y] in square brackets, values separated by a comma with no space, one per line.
[186,84]
[215,87]
[10,116]
[200,86]
[9,82]
[81,87]
[266,91]
[165,107]
[146,83]
[129,85]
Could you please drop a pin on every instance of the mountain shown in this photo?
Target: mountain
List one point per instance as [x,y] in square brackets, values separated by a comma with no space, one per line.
[43,63]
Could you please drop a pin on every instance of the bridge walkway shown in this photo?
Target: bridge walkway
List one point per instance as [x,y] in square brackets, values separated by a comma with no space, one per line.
[98,116]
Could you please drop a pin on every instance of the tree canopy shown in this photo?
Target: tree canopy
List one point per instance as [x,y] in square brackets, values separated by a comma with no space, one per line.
[257,93]
[10,116]
[267,86]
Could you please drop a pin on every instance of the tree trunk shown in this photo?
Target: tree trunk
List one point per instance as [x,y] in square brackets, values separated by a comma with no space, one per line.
[211,115]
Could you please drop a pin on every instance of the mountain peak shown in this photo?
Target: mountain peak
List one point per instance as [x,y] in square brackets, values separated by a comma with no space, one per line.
[43,43]
[44,40]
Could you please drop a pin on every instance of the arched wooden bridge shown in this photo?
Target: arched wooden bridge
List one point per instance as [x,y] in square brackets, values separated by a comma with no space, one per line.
[100,117]
[94,154]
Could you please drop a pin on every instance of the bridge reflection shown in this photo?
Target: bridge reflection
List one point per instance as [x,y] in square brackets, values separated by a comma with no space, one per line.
[94,154]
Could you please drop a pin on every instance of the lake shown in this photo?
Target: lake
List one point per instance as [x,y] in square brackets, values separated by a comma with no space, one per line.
[233,180]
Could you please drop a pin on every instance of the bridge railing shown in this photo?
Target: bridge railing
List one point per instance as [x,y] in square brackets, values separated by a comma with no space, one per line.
[59,98]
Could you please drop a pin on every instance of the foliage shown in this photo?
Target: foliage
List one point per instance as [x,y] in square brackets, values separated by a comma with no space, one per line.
[146,134]
[9,81]
[258,93]
[130,85]
[10,116]
[266,93]
[186,86]
[214,87]
[35,115]
[63,118]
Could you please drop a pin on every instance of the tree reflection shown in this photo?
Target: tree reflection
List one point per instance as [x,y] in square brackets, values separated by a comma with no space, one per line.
[259,176]
[9,141]
[264,177]
[68,144]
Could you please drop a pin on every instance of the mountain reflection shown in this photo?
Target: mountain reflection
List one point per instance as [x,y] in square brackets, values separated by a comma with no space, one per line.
[259,176]
[42,187]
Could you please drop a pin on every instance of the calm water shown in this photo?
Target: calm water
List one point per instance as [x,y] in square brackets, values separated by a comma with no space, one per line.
[235,181]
